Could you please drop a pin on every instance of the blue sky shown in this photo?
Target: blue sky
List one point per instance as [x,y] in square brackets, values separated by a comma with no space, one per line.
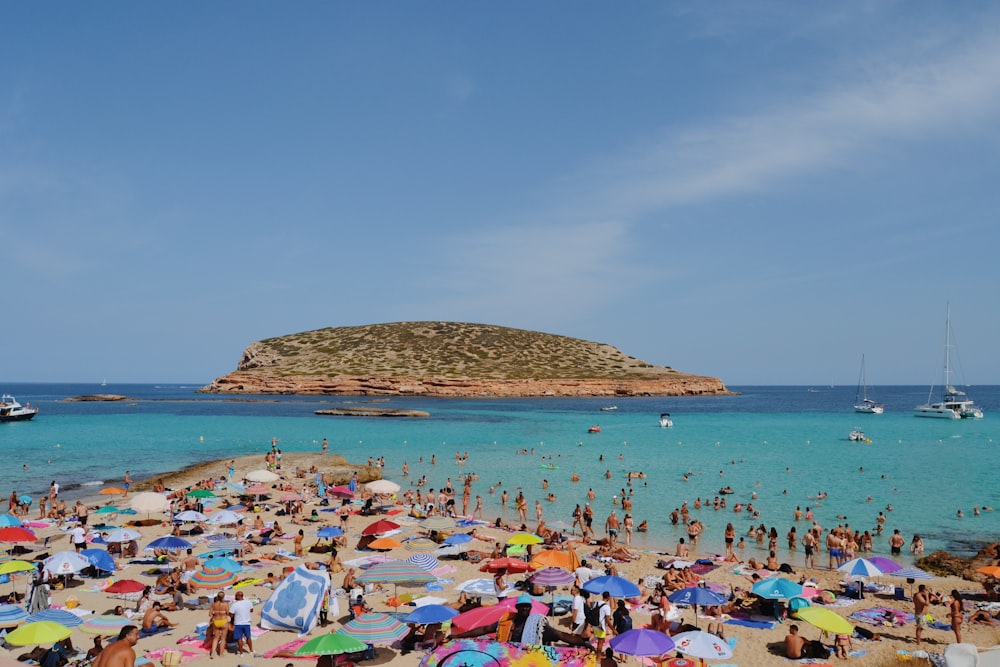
[757,191]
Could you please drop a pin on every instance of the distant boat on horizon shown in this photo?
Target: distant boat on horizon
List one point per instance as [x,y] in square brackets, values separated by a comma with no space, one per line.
[865,405]
[954,404]
[104,382]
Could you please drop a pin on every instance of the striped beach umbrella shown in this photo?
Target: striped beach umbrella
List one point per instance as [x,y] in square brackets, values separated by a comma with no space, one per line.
[41,632]
[12,615]
[912,573]
[424,561]
[168,542]
[420,545]
[375,628]
[860,567]
[105,625]
[213,577]
[552,576]
[396,573]
[60,616]
[437,523]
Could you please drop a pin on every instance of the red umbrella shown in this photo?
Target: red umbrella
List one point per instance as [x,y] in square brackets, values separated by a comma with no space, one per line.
[512,565]
[16,534]
[340,492]
[379,527]
[125,586]
[480,616]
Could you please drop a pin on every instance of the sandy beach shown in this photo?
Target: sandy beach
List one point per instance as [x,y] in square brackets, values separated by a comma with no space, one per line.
[753,646]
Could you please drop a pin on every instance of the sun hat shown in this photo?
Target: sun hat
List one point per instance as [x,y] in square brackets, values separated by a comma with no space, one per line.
[524,598]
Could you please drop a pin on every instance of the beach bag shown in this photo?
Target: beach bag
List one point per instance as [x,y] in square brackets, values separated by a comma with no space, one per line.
[171,658]
[624,624]
[593,614]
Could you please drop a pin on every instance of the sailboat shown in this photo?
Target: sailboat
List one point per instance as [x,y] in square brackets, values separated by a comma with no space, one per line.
[954,404]
[861,401]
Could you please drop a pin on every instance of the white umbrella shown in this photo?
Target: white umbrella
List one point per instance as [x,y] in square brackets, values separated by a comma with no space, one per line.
[65,562]
[123,535]
[481,587]
[263,476]
[149,502]
[702,645]
[189,515]
[225,518]
[382,486]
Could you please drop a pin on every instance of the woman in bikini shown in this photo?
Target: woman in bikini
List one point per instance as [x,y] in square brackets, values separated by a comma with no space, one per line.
[957,615]
[218,619]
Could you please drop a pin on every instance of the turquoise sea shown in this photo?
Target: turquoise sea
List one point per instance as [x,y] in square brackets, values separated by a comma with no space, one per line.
[784,443]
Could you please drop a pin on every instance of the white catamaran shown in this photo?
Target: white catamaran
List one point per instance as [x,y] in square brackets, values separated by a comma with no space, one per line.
[954,404]
[861,401]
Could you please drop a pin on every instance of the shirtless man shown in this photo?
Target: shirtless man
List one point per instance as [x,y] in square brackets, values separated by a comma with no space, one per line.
[190,566]
[120,653]
[809,542]
[612,524]
[896,544]
[921,601]
[794,643]
[154,621]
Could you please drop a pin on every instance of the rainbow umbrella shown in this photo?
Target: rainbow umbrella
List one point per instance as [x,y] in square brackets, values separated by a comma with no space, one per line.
[213,577]
[41,632]
[375,629]
[332,643]
[420,545]
[12,615]
[105,625]
[60,616]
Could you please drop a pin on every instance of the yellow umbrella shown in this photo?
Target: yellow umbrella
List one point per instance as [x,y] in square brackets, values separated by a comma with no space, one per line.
[16,566]
[525,538]
[39,632]
[825,620]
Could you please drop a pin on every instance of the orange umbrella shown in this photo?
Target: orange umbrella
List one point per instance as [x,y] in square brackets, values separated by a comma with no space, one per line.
[385,544]
[990,571]
[112,491]
[511,565]
[567,560]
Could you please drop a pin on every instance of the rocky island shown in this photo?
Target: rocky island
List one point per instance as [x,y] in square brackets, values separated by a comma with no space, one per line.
[450,359]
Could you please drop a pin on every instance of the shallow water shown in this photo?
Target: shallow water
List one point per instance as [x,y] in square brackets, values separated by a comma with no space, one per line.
[784,443]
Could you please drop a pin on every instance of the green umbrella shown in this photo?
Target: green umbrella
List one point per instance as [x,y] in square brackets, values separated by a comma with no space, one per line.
[40,632]
[17,566]
[332,643]
[200,493]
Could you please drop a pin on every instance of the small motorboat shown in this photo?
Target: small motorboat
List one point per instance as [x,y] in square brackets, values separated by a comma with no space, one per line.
[12,411]
[857,435]
[608,408]
[594,429]
[665,420]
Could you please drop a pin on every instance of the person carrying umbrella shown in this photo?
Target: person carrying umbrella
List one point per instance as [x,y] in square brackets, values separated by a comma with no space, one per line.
[523,627]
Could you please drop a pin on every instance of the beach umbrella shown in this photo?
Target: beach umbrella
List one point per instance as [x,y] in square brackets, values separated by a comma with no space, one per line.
[16,534]
[989,571]
[887,565]
[190,515]
[912,573]
[420,545]
[552,576]
[426,600]
[263,476]
[234,486]
[9,521]
[125,586]
[225,563]
[568,560]
[60,616]
[642,642]
[42,632]
[200,493]
[458,538]
[702,645]
[825,620]
[329,531]
[12,566]
[340,492]
[168,542]
[123,535]
[385,544]
[437,523]
[258,490]
[108,509]
[65,562]
[424,561]
[480,616]
[112,491]
[13,614]
[617,587]
[694,596]
[105,625]
[225,518]
[100,559]
[149,502]
[379,527]
[860,567]
[478,587]
[366,562]
[375,628]
[210,576]
[382,486]
[511,565]
[395,572]
[332,643]
[428,613]
[290,496]
[777,588]
[524,538]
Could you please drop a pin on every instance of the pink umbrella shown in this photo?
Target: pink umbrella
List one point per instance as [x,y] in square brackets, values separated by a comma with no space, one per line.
[480,616]
[340,492]
[290,496]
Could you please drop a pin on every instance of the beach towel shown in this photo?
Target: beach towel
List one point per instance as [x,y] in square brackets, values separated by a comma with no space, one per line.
[186,654]
[290,647]
[762,625]
[296,601]
[882,617]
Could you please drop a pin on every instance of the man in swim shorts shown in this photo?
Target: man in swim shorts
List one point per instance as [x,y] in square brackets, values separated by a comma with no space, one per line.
[896,548]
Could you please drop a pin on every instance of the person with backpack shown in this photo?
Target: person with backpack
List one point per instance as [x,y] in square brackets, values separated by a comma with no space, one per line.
[599,619]
[621,620]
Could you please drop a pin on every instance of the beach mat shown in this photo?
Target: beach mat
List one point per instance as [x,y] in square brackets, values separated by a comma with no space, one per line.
[291,646]
[761,625]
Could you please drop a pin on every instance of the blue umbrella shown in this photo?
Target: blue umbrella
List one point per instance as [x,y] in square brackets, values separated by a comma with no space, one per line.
[100,559]
[458,538]
[777,588]
[59,616]
[617,587]
[225,563]
[696,595]
[861,567]
[170,543]
[9,521]
[11,615]
[642,642]
[329,531]
[431,613]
